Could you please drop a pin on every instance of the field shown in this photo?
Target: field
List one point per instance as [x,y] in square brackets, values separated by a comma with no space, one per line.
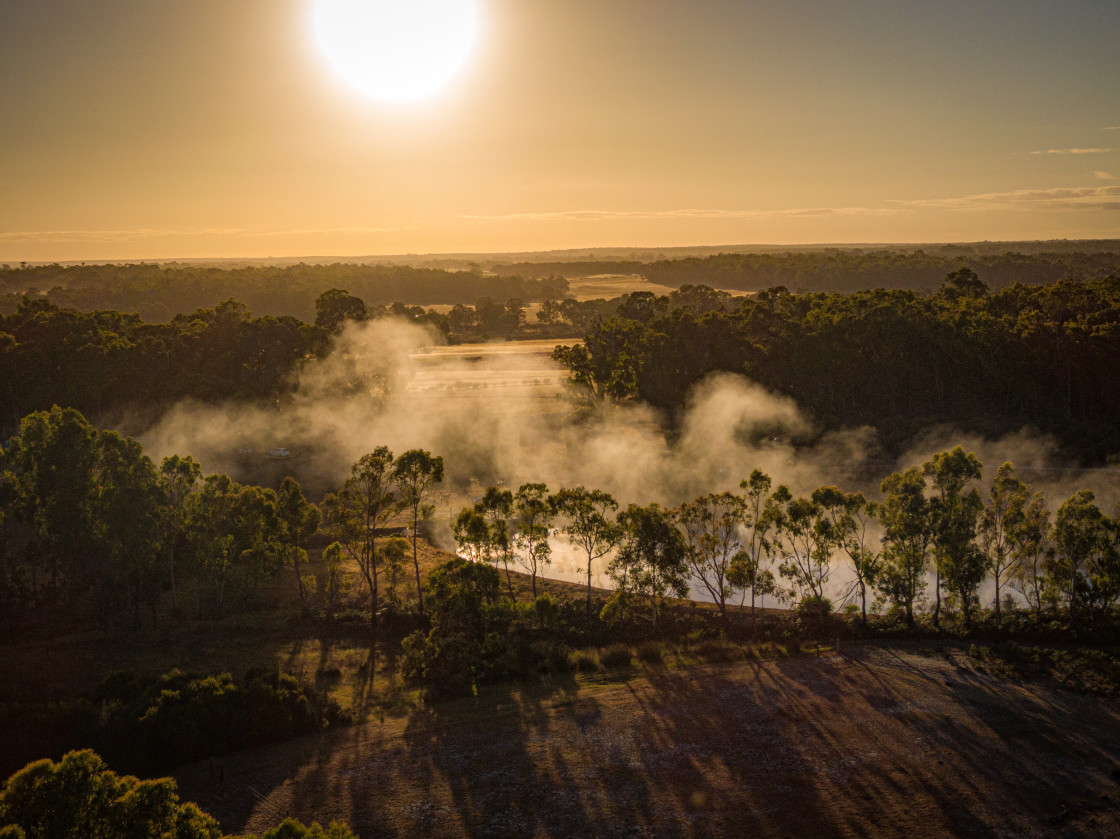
[867,742]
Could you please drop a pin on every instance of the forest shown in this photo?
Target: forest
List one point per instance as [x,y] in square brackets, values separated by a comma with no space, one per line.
[1038,356]
[96,537]
[842,269]
[159,292]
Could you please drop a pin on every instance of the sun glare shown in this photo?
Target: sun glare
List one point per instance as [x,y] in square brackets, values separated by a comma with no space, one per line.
[396,50]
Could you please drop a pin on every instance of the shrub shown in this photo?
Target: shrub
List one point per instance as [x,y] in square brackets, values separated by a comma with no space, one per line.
[616,656]
[716,651]
[651,653]
[585,663]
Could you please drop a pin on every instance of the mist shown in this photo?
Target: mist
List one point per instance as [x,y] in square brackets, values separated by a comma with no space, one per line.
[503,413]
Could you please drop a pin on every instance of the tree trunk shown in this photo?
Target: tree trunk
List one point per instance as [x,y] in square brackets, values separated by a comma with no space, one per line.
[937,603]
[999,614]
[416,561]
[589,591]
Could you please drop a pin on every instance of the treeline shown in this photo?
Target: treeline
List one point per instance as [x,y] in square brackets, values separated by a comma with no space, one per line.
[1037,356]
[92,528]
[159,292]
[840,269]
[107,364]
[765,542]
[106,361]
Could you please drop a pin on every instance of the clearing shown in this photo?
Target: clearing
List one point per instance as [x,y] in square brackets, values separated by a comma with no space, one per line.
[875,741]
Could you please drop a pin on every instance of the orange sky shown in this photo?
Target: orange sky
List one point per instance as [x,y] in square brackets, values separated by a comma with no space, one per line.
[140,130]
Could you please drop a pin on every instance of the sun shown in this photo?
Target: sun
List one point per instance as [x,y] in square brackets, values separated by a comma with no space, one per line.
[396,50]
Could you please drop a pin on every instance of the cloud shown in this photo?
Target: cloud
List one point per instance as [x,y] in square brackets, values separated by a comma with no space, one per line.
[145,233]
[1104,176]
[684,213]
[1061,198]
[1073,151]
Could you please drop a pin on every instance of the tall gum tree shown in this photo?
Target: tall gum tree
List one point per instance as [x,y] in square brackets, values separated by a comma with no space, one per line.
[416,473]
[367,502]
[587,525]
[955,518]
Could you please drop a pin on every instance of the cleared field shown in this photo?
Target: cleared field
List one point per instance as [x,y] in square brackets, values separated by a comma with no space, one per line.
[874,742]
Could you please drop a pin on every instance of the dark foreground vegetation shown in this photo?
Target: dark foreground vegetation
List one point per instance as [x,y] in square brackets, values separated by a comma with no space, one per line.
[81,796]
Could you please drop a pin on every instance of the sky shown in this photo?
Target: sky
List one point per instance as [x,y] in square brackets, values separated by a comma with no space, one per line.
[139,129]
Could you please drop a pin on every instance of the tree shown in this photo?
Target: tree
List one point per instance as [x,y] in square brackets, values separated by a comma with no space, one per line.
[1002,515]
[472,532]
[235,535]
[1082,570]
[954,519]
[178,477]
[906,518]
[1028,534]
[496,507]
[80,796]
[335,306]
[126,512]
[746,570]
[299,521]
[534,514]
[805,537]
[367,501]
[587,525]
[712,526]
[416,472]
[651,562]
[851,515]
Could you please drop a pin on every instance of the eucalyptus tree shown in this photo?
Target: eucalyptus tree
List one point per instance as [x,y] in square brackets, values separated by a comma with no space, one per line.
[651,563]
[587,525]
[534,513]
[179,477]
[747,571]
[235,535]
[496,508]
[805,538]
[907,532]
[472,533]
[852,517]
[1002,514]
[955,518]
[713,528]
[1029,535]
[416,473]
[126,510]
[299,521]
[1083,570]
[367,502]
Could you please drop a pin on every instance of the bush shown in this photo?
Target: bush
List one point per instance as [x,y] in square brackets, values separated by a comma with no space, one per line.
[616,656]
[585,663]
[716,651]
[651,653]
[814,608]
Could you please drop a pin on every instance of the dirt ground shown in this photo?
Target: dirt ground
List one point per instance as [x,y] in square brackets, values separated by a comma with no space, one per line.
[873,741]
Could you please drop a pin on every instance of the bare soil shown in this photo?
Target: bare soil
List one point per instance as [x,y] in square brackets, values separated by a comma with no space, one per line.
[874,741]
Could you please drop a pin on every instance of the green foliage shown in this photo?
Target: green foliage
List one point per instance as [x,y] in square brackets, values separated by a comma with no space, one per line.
[293,829]
[616,656]
[80,797]
[651,561]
